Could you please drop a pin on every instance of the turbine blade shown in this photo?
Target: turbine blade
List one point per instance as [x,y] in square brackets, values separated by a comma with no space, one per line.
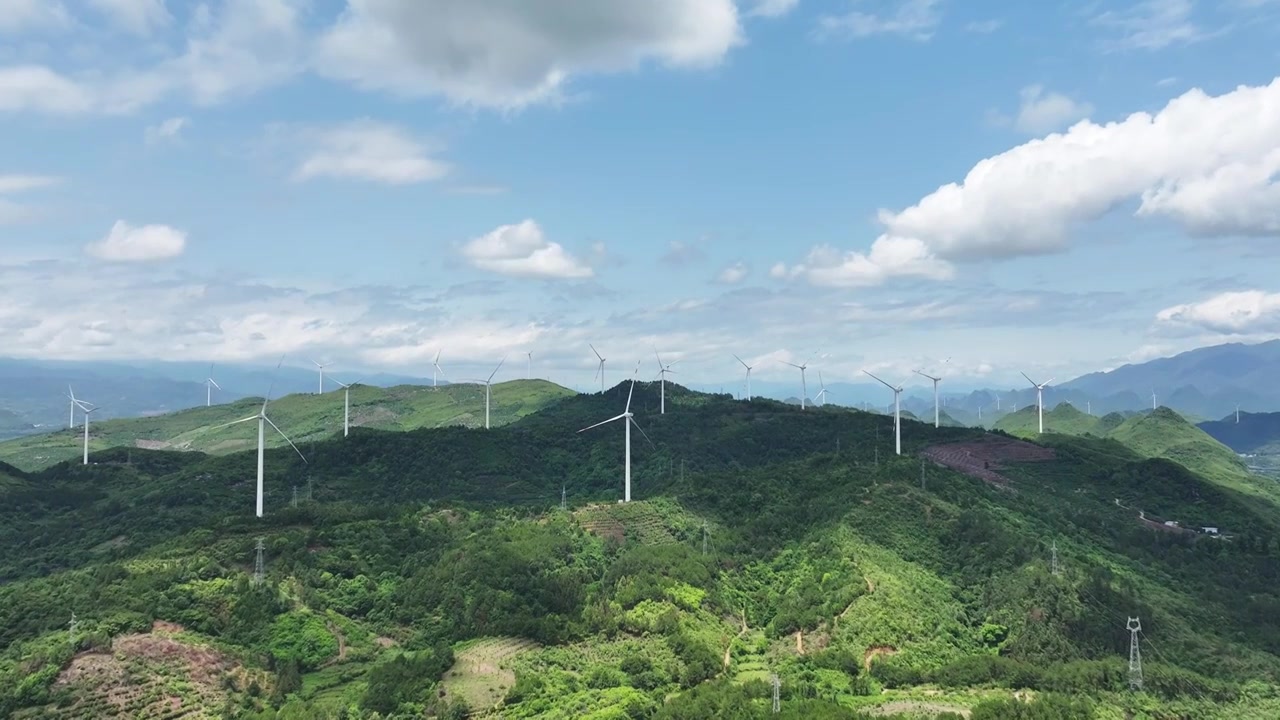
[597,352]
[642,433]
[215,383]
[286,438]
[659,357]
[735,357]
[632,390]
[1033,382]
[1046,382]
[603,422]
[882,382]
[272,386]
[234,422]
[495,370]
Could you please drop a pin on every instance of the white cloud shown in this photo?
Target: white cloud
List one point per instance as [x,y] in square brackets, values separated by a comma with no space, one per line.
[369,150]
[733,274]
[136,16]
[1229,313]
[773,8]
[1152,24]
[917,19]
[890,257]
[32,15]
[166,130]
[1193,161]
[521,250]
[127,243]
[680,254]
[241,47]
[1042,112]
[512,54]
[18,183]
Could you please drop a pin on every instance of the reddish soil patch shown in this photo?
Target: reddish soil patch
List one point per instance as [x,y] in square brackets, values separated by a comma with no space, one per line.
[162,626]
[876,651]
[984,459]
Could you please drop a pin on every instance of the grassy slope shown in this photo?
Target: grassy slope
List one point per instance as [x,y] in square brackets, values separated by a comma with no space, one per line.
[304,417]
[916,570]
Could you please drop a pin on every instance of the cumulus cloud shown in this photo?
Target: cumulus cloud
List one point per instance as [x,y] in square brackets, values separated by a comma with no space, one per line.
[369,150]
[1193,162]
[167,130]
[128,243]
[1229,313]
[916,19]
[733,274]
[32,15]
[512,54]
[136,16]
[13,212]
[521,250]
[1041,112]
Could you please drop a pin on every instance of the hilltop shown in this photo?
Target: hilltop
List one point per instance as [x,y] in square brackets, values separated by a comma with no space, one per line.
[433,569]
[304,417]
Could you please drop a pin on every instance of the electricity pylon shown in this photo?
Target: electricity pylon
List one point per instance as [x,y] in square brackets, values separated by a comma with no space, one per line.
[1134,626]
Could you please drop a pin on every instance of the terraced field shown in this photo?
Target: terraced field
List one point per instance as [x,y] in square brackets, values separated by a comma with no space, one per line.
[482,673]
[640,521]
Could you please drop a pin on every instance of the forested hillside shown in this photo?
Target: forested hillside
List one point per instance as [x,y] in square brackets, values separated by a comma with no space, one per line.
[434,572]
[304,417]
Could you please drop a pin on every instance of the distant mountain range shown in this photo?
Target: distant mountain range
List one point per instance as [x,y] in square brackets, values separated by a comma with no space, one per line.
[1202,384]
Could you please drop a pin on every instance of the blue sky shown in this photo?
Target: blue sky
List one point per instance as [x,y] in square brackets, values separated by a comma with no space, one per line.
[371,184]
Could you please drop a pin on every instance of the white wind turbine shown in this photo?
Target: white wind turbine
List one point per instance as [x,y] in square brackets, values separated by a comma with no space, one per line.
[435,369]
[748,367]
[1153,398]
[821,397]
[487,384]
[804,388]
[1039,398]
[321,368]
[935,394]
[1237,413]
[71,418]
[600,366]
[87,408]
[209,385]
[897,413]
[263,420]
[663,370]
[628,419]
[346,404]
[528,370]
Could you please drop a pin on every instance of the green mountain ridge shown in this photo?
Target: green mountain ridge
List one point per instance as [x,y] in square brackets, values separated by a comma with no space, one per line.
[304,417]
[432,568]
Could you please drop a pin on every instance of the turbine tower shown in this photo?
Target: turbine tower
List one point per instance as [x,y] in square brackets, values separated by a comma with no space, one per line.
[487,384]
[321,368]
[748,367]
[663,370]
[1153,398]
[346,405]
[435,369]
[804,388]
[600,366]
[87,408]
[821,397]
[935,394]
[71,417]
[628,419]
[263,421]
[209,385]
[897,413]
[1039,398]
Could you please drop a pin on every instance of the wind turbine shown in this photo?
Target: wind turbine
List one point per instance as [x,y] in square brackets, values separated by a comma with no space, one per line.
[87,408]
[1237,412]
[821,397]
[487,384]
[209,385]
[346,405]
[263,420]
[1039,398]
[1088,407]
[71,418]
[628,419]
[435,368]
[528,370]
[935,393]
[663,369]
[1153,398]
[897,413]
[321,368]
[804,388]
[748,367]
[600,367]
